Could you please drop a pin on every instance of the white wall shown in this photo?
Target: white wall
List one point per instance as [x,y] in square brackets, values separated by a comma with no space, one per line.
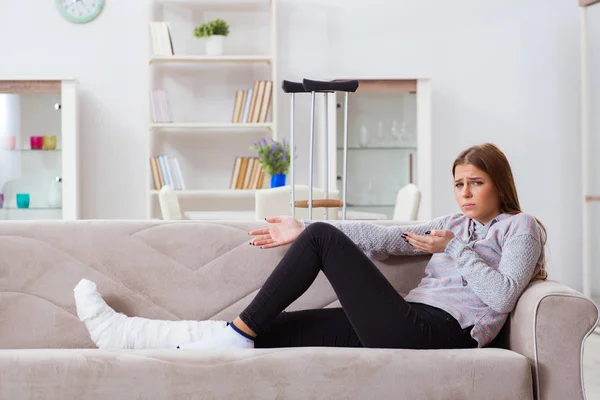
[593,183]
[503,71]
[108,58]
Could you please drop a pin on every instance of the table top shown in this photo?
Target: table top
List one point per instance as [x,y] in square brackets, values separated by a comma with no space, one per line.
[249,215]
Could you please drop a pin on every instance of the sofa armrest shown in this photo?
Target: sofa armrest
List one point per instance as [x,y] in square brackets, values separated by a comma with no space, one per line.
[548,326]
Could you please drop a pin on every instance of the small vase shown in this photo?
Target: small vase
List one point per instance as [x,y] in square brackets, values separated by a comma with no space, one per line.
[55,193]
[278,180]
[214,45]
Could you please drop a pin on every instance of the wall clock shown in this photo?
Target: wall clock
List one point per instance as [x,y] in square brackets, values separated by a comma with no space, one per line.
[80,11]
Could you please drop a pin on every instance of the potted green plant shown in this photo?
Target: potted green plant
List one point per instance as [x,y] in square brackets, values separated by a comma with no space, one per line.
[214,32]
[274,159]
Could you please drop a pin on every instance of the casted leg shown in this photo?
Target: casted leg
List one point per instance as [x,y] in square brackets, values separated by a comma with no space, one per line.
[111,330]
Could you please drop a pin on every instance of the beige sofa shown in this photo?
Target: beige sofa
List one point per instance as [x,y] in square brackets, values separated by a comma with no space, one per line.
[200,270]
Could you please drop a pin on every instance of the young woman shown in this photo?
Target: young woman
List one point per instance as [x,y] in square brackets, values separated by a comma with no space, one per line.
[482,260]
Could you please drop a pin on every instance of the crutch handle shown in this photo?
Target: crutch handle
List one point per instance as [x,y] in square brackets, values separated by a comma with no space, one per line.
[329,86]
[292,87]
[326,203]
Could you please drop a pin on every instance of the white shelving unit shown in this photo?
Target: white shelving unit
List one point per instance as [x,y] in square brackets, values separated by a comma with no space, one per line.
[590,147]
[39,106]
[201,92]
[389,143]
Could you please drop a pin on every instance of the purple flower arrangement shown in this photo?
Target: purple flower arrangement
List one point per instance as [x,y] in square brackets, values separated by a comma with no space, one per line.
[274,155]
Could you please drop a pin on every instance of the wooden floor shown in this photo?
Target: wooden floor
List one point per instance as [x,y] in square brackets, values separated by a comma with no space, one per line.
[591,367]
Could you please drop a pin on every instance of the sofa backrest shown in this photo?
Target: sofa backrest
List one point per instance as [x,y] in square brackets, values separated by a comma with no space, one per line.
[153,269]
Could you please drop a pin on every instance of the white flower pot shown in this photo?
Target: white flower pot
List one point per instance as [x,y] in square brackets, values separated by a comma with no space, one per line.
[214,45]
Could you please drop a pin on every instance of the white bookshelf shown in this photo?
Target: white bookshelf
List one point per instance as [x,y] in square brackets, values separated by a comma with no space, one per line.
[201,92]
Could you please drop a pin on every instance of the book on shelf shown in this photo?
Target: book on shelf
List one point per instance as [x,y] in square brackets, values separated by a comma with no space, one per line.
[247,173]
[160,35]
[166,171]
[161,111]
[252,105]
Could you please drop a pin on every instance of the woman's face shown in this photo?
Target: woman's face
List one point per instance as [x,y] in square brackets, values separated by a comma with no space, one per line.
[475,193]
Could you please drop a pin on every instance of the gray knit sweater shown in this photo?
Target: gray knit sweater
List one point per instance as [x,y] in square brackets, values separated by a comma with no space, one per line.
[480,275]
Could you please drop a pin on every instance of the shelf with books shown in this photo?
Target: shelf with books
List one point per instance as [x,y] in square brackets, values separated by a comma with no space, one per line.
[166,171]
[251,106]
[207,108]
[247,174]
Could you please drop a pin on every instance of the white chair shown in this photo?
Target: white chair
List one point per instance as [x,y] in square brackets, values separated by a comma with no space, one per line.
[170,210]
[276,201]
[169,204]
[407,204]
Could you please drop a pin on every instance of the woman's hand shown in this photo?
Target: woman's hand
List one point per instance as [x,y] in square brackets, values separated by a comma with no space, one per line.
[285,230]
[433,242]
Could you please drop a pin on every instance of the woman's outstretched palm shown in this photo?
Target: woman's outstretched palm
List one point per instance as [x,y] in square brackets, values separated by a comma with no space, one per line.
[284,230]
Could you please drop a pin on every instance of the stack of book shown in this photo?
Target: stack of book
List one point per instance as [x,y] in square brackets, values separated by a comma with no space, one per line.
[253,105]
[247,174]
[160,35]
[166,171]
[160,106]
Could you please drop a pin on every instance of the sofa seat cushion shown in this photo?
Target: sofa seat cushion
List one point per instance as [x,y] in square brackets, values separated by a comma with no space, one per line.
[286,373]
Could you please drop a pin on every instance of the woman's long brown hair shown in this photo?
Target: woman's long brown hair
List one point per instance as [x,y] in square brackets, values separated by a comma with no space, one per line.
[491,160]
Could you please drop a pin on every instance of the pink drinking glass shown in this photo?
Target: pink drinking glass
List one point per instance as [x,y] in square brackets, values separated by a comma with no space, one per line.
[37,142]
[9,142]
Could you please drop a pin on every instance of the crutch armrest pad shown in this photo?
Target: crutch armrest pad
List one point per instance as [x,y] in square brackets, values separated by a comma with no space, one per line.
[329,86]
[292,87]
[324,203]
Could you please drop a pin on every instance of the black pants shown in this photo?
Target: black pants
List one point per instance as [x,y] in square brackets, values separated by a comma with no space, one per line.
[373,313]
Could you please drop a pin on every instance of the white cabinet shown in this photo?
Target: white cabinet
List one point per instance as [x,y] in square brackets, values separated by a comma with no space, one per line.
[389,143]
[39,170]
[591,147]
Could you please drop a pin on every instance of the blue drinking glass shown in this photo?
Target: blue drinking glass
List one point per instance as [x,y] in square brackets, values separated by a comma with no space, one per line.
[23,200]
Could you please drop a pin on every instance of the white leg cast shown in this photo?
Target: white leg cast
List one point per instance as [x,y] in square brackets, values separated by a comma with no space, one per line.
[112,330]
